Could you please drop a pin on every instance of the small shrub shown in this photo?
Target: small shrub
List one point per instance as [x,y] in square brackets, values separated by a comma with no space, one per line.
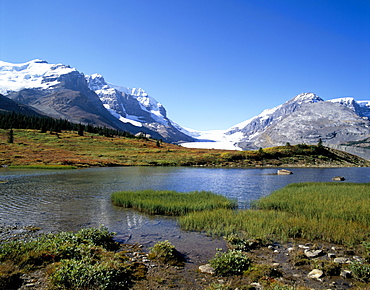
[98,237]
[237,242]
[361,271]
[366,246]
[233,262]
[83,274]
[166,253]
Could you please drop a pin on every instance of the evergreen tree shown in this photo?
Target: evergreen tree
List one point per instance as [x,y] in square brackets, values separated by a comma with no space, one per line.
[81,129]
[320,143]
[11,136]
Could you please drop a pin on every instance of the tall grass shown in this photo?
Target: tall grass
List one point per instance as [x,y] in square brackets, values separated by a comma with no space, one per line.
[338,213]
[347,201]
[168,202]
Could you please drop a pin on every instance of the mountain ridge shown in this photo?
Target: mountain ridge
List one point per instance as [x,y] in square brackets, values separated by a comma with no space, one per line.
[257,132]
[61,91]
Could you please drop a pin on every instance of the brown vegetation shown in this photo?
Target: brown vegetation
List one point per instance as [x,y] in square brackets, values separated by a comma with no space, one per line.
[31,147]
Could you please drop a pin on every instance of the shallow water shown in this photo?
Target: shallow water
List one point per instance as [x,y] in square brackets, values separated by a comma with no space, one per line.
[67,200]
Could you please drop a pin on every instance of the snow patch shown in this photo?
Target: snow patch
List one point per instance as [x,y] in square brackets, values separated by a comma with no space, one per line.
[32,74]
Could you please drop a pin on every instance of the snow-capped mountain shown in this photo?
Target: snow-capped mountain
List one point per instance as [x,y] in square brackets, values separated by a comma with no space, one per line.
[304,119]
[128,103]
[134,106]
[60,91]
[36,74]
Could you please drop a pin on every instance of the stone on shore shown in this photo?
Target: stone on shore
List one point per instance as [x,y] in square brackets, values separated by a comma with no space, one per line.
[207,268]
[313,253]
[284,172]
[315,274]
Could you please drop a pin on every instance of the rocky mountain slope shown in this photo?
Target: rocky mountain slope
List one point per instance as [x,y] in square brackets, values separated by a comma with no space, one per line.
[60,91]
[134,106]
[305,118]
[8,105]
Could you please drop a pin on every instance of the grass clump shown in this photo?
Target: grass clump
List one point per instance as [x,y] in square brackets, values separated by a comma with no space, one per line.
[166,253]
[86,274]
[348,201]
[166,202]
[233,262]
[361,271]
[331,212]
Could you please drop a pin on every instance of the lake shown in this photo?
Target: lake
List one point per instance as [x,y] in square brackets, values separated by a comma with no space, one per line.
[68,200]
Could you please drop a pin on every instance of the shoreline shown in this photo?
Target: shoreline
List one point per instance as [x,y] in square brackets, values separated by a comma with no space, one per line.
[287,261]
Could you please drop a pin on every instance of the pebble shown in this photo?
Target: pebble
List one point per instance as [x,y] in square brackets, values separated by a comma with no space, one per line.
[315,274]
[313,253]
[331,255]
[256,285]
[346,274]
[342,260]
[207,268]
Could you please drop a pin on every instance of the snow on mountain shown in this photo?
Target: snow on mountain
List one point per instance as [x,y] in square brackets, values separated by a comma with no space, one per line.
[271,128]
[213,139]
[251,128]
[120,101]
[60,91]
[33,74]
[362,108]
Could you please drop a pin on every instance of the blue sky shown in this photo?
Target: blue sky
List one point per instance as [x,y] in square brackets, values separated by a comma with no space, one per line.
[211,63]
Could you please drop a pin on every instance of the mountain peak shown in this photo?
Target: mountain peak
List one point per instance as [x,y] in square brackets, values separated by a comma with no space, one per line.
[38,61]
[96,82]
[306,98]
[36,73]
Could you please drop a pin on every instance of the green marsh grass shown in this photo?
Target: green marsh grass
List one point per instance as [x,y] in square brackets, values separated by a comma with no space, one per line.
[332,212]
[166,202]
[346,201]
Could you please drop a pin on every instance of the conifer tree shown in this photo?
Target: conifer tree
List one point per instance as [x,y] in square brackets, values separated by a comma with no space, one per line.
[11,136]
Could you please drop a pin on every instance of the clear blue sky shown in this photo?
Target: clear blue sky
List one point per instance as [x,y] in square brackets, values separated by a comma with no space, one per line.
[211,63]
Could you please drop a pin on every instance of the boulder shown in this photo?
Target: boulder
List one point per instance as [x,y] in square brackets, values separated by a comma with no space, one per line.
[313,253]
[284,172]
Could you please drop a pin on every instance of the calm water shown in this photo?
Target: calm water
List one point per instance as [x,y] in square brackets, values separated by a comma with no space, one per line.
[71,199]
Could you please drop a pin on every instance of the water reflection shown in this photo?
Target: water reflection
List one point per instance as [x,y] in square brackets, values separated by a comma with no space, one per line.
[68,200]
